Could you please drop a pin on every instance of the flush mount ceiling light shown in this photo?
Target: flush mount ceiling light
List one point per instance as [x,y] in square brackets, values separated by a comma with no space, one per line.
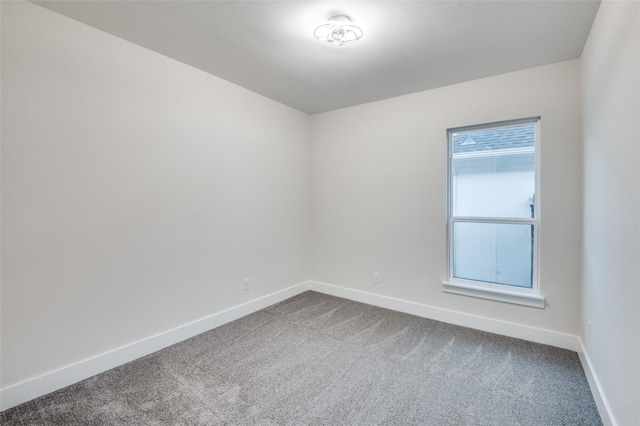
[339,31]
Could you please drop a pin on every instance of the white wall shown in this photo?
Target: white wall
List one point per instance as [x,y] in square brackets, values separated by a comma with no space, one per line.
[137,193]
[611,269]
[378,191]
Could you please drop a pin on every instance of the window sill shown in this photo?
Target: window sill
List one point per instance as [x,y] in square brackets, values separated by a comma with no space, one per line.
[492,293]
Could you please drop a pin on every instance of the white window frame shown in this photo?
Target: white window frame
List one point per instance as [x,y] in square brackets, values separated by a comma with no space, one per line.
[493,291]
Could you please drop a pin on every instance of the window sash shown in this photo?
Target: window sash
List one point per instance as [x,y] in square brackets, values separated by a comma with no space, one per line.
[501,221]
[534,291]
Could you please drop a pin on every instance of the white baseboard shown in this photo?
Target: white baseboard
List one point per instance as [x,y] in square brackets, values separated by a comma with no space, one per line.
[598,394]
[58,379]
[538,335]
[533,334]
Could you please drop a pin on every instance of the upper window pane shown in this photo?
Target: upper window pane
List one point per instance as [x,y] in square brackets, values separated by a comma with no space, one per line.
[493,172]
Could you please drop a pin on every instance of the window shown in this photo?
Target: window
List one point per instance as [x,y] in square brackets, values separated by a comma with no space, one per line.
[492,211]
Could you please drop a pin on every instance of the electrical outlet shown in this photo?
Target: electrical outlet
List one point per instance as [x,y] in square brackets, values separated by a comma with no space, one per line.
[376,278]
[246,284]
[588,330]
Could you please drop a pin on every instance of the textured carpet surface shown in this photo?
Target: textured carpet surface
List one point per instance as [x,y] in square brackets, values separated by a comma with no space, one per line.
[320,360]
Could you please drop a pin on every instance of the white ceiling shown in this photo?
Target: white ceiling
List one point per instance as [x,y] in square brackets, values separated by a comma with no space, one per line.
[408,46]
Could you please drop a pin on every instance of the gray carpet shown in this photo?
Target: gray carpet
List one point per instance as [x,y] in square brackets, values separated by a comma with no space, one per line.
[320,360]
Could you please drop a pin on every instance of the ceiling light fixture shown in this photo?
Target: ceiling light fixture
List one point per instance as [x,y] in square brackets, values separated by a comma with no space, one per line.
[339,31]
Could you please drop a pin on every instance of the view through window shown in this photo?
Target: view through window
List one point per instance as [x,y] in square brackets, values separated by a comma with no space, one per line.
[492,205]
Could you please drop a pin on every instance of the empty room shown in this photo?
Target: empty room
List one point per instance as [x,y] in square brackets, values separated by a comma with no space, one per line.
[320,213]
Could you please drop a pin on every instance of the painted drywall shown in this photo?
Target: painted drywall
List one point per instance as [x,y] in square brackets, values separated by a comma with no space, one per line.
[611,267]
[379,191]
[137,193]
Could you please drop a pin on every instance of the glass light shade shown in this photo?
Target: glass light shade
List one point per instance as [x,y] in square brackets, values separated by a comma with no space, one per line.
[338,31]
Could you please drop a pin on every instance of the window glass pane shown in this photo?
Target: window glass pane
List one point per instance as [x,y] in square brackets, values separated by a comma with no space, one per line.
[493,253]
[493,172]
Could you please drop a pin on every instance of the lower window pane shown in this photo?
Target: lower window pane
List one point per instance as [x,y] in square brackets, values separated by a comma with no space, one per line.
[495,253]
